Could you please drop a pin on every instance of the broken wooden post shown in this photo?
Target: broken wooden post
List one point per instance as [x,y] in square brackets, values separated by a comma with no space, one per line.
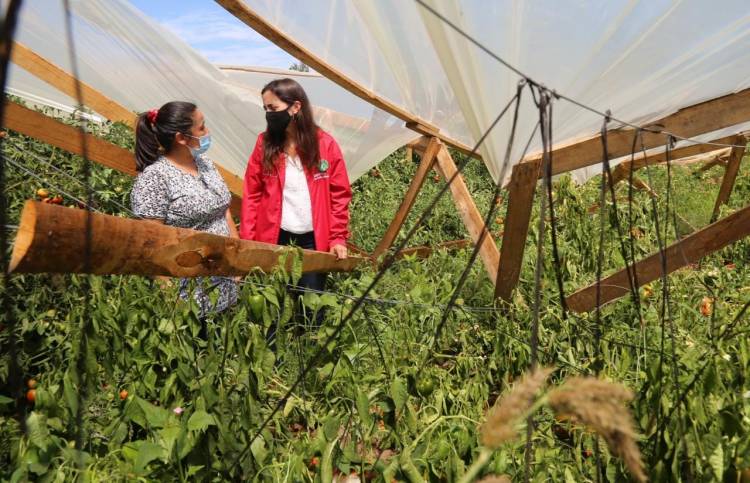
[52,239]
[428,159]
[520,199]
[424,251]
[730,174]
[622,170]
[688,250]
[469,213]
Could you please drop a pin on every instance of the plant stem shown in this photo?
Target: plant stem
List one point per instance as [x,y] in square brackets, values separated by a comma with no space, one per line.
[484,457]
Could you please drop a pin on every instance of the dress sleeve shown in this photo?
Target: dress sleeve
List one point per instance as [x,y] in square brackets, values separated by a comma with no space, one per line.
[150,195]
[341,195]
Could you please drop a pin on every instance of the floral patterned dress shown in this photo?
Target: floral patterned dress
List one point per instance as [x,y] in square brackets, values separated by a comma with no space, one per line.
[165,192]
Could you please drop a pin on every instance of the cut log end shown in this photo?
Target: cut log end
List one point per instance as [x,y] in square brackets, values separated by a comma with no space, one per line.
[24,237]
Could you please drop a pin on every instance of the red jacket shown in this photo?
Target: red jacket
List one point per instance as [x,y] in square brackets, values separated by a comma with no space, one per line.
[330,194]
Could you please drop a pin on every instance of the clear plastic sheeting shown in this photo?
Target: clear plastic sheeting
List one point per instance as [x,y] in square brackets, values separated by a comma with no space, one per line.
[642,59]
[364,132]
[134,61]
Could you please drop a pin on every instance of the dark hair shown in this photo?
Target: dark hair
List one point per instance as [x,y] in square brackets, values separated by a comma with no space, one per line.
[289,91]
[157,137]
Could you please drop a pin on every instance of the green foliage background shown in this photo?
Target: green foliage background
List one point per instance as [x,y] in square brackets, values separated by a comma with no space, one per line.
[358,409]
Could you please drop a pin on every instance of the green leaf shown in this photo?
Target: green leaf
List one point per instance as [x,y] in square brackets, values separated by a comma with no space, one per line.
[5,400]
[291,403]
[399,393]
[331,428]
[156,417]
[200,420]
[36,428]
[193,469]
[363,408]
[70,391]
[258,449]
[716,460]
[169,436]
[147,453]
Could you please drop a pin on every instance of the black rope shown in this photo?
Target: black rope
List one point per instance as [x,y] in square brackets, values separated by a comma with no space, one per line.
[544,120]
[631,238]
[670,318]
[83,344]
[605,115]
[485,228]
[607,173]
[598,362]
[70,177]
[600,253]
[15,376]
[553,220]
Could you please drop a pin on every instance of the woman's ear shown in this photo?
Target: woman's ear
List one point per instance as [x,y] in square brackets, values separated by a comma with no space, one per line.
[180,138]
[296,107]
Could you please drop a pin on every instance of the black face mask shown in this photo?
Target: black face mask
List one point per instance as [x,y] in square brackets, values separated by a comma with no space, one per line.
[278,122]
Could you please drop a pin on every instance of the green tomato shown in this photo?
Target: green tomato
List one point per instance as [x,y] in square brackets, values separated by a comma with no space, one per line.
[425,385]
[257,306]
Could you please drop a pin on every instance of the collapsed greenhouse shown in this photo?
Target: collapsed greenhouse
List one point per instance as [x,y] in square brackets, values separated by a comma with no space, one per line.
[582,122]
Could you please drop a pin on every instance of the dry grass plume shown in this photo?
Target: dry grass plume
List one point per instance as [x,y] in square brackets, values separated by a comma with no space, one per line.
[502,418]
[601,406]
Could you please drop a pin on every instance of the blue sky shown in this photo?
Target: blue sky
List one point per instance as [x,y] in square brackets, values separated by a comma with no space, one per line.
[214,32]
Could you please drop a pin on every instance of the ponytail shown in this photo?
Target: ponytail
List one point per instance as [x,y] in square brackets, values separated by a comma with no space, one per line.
[156,129]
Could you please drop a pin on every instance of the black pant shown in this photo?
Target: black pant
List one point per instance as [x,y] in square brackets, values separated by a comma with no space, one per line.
[314,281]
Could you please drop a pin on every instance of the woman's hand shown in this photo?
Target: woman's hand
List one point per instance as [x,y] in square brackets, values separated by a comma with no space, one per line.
[340,251]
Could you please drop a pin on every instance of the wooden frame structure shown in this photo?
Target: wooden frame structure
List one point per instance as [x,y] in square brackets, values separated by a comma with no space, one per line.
[63,136]
[66,83]
[503,266]
[688,122]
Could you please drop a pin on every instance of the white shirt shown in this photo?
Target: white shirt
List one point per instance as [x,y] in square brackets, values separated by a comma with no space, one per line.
[296,209]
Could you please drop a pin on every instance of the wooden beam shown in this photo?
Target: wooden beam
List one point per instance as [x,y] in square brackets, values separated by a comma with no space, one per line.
[713,159]
[733,167]
[688,250]
[520,199]
[420,144]
[622,170]
[112,110]
[712,115]
[69,138]
[424,251]
[45,70]
[239,9]
[469,213]
[52,239]
[428,159]
[641,185]
[354,249]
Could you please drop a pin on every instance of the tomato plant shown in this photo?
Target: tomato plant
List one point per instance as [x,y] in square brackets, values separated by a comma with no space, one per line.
[383,399]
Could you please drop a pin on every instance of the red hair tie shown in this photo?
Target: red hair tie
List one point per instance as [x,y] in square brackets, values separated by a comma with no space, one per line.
[152,115]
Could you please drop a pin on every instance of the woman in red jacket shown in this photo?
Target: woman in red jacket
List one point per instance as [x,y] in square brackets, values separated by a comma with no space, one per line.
[296,187]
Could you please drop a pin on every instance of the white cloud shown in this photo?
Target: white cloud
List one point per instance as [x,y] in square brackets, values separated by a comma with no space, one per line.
[225,40]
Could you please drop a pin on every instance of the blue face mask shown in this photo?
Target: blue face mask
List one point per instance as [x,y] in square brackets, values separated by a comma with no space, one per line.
[204,144]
